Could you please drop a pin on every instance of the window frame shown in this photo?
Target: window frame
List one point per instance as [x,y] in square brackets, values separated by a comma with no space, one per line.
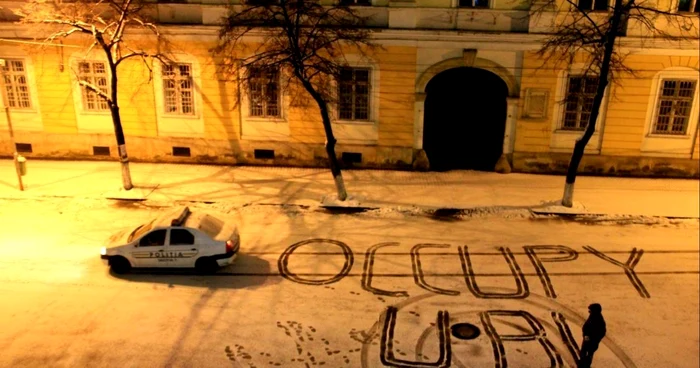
[359,131]
[261,2]
[13,89]
[25,119]
[581,96]
[178,79]
[179,125]
[354,84]
[260,128]
[263,86]
[89,121]
[694,7]
[608,6]
[459,4]
[671,145]
[84,91]
[674,99]
[355,2]
[564,140]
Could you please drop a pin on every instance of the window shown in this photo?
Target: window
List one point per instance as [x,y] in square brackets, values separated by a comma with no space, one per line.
[473,3]
[178,89]
[579,102]
[263,92]
[154,238]
[181,237]
[689,6]
[354,89]
[262,2]
[141,230]
[599,5]
[15,84]
[355,2]
[95,73]
[673,106]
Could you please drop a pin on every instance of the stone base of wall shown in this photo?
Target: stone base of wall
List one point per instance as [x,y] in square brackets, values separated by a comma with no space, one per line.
[204,151]
[232,152]
[558,163]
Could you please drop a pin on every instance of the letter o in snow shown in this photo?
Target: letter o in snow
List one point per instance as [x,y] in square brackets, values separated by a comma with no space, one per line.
[283,262]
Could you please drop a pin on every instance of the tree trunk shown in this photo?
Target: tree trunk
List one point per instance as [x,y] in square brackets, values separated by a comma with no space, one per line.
[330,139]
[330,151]
[119,132]
[581,142]
[121,145]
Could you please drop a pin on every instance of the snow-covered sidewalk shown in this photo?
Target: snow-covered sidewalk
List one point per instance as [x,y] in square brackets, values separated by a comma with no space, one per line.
[241,185]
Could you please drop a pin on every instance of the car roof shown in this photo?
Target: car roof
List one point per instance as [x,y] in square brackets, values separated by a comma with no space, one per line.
[183,217]
[167,219]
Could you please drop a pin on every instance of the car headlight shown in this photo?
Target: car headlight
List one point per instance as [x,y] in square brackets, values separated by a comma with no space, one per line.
[103,251]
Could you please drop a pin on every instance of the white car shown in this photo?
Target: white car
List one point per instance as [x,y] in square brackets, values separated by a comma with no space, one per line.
[178,239]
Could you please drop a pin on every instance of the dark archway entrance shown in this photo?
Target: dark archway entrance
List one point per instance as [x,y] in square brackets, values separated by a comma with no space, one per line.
[465,119]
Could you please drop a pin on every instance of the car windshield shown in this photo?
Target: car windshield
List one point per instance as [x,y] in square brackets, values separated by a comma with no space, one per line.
[210,225]
[141,230]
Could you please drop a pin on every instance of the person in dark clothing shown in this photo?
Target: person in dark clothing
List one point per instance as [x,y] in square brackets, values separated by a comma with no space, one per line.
[593,332]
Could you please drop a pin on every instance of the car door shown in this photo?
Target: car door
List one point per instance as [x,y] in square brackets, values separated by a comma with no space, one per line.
[150,251]
[182,248]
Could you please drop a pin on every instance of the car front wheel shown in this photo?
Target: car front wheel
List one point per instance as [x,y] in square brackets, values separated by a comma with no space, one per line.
[120,265]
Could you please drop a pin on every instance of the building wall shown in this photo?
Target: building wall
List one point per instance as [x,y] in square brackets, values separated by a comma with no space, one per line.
[623,143]
[67,131]
[416,38]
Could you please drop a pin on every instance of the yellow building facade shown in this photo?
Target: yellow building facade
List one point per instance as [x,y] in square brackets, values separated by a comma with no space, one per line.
[455,85]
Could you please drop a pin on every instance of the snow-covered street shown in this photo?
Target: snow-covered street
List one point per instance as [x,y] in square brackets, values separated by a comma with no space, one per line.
[373,289]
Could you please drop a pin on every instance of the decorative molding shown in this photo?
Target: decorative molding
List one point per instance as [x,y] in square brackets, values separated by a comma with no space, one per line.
[88,121]
[533,98]
[23,119]
[176,125]
[564,140]
[495,68]
[680,146]
[469,56]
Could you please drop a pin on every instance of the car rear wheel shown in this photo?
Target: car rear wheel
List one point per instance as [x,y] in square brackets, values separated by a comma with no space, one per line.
[119,265]
[206,265]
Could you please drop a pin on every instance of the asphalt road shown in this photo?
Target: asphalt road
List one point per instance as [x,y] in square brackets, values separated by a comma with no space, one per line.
[364,290]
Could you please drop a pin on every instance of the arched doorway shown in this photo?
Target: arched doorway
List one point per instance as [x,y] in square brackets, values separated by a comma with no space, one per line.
[465,118]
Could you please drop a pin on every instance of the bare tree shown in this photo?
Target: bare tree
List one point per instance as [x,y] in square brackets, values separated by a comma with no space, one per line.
[105,23]
[596,35]
[301,39]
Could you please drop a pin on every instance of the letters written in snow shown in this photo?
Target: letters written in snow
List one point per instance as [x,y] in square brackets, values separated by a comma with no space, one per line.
[538,255]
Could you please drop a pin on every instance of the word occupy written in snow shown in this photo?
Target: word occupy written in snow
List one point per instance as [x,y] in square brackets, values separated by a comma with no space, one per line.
[538,255]
[442,326]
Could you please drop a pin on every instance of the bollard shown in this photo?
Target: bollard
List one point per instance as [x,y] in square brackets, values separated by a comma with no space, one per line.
[22,162]
[16,158]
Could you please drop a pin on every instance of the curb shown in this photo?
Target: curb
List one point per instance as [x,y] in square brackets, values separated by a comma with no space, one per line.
[442,213]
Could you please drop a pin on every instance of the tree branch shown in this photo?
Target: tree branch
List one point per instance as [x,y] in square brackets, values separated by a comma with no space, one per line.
[91,87]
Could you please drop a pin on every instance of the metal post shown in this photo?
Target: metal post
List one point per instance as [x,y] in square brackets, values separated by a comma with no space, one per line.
[17,169]
[6,107]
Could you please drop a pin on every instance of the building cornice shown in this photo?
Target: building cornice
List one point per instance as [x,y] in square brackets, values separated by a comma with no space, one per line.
[407,37]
